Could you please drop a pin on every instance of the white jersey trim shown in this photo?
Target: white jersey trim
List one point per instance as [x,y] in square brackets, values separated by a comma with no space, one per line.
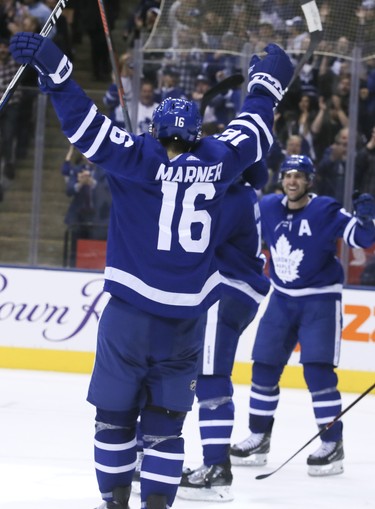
[302,292]
[349,233]
[85,124]
[162,296]
[244,288]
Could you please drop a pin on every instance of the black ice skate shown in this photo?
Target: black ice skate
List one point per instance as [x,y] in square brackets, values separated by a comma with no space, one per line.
[327,460]
[121,497]
[252,451]
[212,484]
[156,502]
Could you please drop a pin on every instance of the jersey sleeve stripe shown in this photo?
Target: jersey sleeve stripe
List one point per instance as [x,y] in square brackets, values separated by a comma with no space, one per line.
[349,233]
[99,138]
[85,124]
[252,128]
[258,119]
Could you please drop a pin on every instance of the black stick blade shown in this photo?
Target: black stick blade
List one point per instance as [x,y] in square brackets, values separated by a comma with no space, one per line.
[233,81]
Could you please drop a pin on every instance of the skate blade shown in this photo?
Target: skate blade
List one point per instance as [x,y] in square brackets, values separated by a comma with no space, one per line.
[334,468]
[214,494]
[254,460]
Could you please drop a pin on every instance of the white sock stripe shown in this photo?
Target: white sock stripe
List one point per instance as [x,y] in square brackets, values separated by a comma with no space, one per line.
[165,455]
[167,479]
[325,420]
[256,411]
[115,447]
[322,404]
[215,441]
[216,422]
[262,397]
[114,470]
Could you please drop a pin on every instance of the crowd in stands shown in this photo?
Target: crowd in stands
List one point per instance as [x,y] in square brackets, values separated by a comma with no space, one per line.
[205,46]
[79,17]
[313,118]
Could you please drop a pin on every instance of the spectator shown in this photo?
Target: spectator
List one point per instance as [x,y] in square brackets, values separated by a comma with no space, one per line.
[137,20]
[9,119]
[92,25]
[295,145]
[111,98]
[146,106]
[187,55]
[88,213]
[332,167]
[329,120]
[40,11]
[203,85]
[365,167]
[169,85]
[62,35]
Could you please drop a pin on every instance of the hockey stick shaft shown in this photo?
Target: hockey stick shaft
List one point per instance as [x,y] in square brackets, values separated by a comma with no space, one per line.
[223,86]
[48,26]
[113,58]
[314,26]
[323,430]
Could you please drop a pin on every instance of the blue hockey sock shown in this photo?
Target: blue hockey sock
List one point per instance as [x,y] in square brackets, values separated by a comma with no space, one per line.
[115,450]
[326,399]
[163,453]
[216,417]
[264,397]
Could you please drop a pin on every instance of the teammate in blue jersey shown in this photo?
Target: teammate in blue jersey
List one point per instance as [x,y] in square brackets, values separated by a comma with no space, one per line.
[241,264]
[167,191]
[301,230]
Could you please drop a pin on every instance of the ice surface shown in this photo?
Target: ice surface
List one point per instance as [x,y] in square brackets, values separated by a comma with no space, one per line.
[46,451]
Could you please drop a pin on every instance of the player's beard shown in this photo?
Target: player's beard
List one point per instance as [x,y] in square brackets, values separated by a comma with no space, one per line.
[299,196]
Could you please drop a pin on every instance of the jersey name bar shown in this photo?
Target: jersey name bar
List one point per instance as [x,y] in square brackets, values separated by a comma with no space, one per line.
[190,173]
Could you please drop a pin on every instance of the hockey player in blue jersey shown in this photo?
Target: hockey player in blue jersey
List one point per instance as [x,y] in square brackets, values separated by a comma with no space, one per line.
[301,230]
[167,190]
[241,264]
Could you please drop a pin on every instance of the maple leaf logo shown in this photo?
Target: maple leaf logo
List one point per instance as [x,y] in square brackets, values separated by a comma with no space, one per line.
[285,260]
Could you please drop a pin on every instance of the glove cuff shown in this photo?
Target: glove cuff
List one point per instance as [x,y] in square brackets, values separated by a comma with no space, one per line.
[265,80]
[63,71]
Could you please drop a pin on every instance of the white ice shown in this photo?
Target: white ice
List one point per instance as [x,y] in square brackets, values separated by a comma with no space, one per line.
[46,453]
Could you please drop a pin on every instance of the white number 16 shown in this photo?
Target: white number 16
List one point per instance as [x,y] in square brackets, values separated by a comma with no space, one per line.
[188,216]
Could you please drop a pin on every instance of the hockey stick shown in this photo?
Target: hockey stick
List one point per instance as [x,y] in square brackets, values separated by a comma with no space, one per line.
[323,430]
[314,26]
[223,86]
[113,58]
[49,24]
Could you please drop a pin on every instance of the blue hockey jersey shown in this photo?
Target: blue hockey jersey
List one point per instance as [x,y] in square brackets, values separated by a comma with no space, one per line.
[239,258]
[303,244]
[164,221]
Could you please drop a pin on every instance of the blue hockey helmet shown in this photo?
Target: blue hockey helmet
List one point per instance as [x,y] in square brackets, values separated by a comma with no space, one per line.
[298,163]
[177,118]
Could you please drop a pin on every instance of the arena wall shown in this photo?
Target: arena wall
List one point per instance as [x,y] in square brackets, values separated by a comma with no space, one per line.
[48,321]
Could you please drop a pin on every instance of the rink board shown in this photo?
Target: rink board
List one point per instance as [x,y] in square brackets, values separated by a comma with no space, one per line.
[48,321]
